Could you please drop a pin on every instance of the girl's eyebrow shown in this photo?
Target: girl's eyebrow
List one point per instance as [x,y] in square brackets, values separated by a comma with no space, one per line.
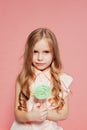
[35,49]
[42,50]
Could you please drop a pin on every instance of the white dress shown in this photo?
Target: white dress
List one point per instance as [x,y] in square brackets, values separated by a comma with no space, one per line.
[47,124]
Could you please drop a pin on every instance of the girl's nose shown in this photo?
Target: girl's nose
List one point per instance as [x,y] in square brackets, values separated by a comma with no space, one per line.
[40,56]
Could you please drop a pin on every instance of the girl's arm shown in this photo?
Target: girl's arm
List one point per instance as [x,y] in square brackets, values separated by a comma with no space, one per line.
[36,115]
[61,115]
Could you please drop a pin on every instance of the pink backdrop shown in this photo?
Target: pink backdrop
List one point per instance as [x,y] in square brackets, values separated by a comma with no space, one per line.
[68,20]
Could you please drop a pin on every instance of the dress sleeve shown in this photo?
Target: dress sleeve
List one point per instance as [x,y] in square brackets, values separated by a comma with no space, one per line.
[66,81]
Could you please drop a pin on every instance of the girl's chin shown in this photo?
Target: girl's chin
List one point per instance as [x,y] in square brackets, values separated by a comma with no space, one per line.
[41,68]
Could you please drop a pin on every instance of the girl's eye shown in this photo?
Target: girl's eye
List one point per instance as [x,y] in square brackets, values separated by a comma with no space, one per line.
[35,51]
[46,51]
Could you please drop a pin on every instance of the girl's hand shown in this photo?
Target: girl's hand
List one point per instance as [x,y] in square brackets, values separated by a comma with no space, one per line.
[39,113]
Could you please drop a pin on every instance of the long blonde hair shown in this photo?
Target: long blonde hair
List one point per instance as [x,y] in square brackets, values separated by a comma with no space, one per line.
[27,75]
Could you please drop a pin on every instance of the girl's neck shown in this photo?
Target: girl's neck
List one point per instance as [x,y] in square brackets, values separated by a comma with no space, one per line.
[45,72]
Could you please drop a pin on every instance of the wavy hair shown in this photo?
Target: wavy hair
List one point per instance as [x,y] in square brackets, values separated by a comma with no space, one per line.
[26,76]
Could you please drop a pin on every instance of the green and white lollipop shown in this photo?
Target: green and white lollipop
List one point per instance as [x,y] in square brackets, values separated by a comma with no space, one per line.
[42,91]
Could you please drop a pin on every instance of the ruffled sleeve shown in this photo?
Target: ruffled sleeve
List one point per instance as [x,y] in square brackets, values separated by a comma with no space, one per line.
[66,81]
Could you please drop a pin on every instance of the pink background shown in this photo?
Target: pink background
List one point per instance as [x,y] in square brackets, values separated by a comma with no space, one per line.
[68,20]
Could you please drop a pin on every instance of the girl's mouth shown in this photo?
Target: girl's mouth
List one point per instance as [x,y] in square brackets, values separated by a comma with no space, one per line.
[40,64]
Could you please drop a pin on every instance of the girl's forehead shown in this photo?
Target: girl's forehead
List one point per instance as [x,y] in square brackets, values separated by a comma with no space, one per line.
[42,44]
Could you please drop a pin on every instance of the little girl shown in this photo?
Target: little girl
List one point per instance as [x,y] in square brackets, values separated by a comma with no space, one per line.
[42,66]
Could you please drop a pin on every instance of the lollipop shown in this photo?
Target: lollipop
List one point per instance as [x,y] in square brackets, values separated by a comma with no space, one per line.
[42,92]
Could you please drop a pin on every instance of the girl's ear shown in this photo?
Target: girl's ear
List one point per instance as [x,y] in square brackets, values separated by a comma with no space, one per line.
[53,62]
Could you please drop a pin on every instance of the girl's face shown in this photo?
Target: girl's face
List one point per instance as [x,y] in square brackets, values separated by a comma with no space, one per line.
[42,55]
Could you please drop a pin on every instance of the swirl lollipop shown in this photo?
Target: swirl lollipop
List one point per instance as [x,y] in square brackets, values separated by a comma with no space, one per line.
[42,92]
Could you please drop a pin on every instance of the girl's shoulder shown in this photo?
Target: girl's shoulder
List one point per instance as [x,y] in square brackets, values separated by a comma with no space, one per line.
[66,79]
